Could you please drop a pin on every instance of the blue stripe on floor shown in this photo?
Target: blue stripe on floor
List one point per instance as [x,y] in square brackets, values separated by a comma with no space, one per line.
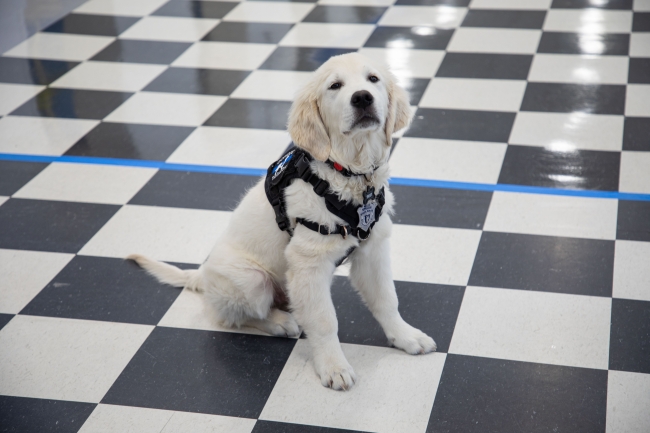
[425,183]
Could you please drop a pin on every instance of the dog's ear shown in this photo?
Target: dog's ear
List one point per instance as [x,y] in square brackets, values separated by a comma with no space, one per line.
[399,110]
[306,126]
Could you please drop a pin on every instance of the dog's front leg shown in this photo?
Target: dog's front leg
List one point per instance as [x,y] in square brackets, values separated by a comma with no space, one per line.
[372,276]
[309,278]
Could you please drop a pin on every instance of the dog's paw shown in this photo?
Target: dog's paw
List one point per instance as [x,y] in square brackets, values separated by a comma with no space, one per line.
[413,341]
[282,324]
[337,377]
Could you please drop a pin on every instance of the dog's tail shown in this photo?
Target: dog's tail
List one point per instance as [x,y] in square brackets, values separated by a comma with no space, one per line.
[169,274]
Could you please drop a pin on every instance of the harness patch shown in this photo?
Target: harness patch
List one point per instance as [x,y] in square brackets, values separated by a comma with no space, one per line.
[282,165]
[366,215]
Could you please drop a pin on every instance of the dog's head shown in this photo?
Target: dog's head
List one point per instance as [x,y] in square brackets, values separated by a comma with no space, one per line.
[347,96]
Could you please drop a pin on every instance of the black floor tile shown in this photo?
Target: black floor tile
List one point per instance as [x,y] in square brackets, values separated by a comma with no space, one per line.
[55,226]
[107,289]
[544,263]
[461,125]
[569,98]
[197,81]
[641,22]
[636,133]
[415,88]
[633,221]
[463,3]
[4,319]
[580,169]
[579,4]
[131,141]
[131,51]
[15,174]
[504,18]
[72,103]
[202,371]
[288,1]
[616,44]
[482,65]
[32,71]
[492,395]
[629,341]
[248,113]
[398,37]
[345,14]
[257,33]
[98,25]
[281,427]
[639,71]
[27,415]
[300,58]
[432,308]
[194,190]
[439,207]
[195,9]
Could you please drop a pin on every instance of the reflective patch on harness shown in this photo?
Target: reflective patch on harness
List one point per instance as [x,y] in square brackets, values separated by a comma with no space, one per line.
[282,165]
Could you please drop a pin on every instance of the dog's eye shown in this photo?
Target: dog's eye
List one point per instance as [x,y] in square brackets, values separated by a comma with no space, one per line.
[335,86]
[373,78]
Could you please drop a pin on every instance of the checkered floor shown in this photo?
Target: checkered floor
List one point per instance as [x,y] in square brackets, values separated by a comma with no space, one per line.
[539,303]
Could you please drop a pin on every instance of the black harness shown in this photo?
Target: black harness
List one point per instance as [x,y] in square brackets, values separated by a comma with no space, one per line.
[294,164]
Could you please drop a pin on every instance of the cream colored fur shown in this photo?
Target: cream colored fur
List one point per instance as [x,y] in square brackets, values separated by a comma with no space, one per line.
[253,260]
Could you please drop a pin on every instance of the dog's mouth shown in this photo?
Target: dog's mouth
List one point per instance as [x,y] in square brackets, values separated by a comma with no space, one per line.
[365,120]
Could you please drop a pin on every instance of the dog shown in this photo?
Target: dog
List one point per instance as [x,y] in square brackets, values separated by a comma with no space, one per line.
[346,113]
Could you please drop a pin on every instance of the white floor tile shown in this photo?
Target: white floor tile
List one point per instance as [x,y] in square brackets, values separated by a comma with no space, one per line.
[60,46]
[3,199]
[539,327]
[40,135]
[224,55]
[232,147]
[186,422]
[404,62]
[640,45]
[328,35]
[588,20]
[563,68]
[166,109]
[566,132]
[442,17]
[635,172]
[116,76]
[120,7]
[631,270]
[269,12]
[284,87]
[507,41]
[23,274]
[191,311]
[641,5]
[395,391]
[450,160]
[65,359]
[357,2]
[511,4]
[628,400]
[170,29]
[637,100]
[170,234]
[111,418]
[474,94]
[13,96]
[90,183]
[433,254]
[552,215]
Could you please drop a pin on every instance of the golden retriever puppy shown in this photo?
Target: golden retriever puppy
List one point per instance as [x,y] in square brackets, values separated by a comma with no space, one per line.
[346,115]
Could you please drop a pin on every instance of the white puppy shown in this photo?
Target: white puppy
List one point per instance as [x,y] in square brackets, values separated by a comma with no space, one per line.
[347,113]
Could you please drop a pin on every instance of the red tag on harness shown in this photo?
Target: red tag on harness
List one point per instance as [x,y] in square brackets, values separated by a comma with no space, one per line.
[338,166]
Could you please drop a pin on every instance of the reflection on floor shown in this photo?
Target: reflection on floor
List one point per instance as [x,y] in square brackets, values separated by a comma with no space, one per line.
[522,237]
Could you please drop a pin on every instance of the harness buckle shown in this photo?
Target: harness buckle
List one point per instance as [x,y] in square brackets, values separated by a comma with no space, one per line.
[361,238]
[321,187]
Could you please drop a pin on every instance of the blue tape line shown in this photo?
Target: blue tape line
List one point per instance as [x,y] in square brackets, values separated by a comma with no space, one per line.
[425,183]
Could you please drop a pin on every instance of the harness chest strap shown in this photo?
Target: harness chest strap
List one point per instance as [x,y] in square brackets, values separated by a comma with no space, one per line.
[294,165]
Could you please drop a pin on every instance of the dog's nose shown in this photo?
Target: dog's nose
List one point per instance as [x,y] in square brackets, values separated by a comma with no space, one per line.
[361,99]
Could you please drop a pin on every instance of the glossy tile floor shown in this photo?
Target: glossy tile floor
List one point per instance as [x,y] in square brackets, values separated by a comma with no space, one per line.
[522,237]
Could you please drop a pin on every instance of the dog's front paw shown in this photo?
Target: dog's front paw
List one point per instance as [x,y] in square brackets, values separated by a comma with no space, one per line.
[413,341]
[340,377]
